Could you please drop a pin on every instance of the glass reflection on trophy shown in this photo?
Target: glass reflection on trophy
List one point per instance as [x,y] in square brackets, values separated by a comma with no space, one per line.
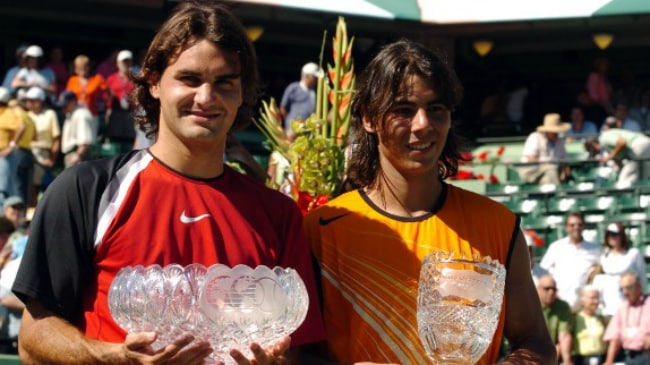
[459,304]
[229,307]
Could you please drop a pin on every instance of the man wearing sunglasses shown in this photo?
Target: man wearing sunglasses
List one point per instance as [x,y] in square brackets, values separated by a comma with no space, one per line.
[629,329]
[558,317]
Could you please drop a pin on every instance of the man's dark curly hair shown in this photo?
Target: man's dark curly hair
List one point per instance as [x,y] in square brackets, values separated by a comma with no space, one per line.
[191,22]
[379,86]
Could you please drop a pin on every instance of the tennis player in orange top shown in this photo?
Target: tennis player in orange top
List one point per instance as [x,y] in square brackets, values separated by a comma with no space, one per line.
[370,242]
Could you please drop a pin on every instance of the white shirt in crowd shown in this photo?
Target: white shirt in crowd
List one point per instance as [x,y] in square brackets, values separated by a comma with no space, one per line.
[79,128]
[570,264]
[614,266]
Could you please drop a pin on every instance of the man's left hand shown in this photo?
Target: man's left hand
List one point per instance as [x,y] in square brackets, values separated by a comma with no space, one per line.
[273,355]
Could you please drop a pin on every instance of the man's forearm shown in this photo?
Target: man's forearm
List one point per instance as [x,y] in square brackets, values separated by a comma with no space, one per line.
[47,339]
[612,350]
[566,344]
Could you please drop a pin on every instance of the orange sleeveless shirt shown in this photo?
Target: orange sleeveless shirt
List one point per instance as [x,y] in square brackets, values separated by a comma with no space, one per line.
[370,265]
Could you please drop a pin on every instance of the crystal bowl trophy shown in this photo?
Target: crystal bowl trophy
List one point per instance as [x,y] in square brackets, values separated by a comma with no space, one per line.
[458,308]
[229,307]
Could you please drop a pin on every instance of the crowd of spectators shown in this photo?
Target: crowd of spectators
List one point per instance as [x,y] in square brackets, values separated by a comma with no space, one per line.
[588,291]
[55,114]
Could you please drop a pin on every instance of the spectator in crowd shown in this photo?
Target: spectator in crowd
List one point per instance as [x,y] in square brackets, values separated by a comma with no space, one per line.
[515,105]
[47,142]
[407,146]
[570,259]
[198,83]
[544,149]
[641,111]
[580,128]
[13,70]
[90,88]
[33,73]
[120,129]
[589,347]
[592,111]
[493,112]
[12,126]
[142,140]
[6,229]
[79,130]
[59,67]
[618,258]
[11,307]
[13,209]
[623,119]
[278,172]
[22,158]
[558,317]
[629,329]
[599,87]
[299,98]
[629,150]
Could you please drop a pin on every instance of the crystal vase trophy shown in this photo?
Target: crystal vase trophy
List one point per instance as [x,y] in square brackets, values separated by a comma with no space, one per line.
[229,307]
[458,308]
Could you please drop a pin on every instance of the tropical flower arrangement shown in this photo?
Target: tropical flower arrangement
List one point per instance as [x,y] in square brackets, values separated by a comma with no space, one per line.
[317,155]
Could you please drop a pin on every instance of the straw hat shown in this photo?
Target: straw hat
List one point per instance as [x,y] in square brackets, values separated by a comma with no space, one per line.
[553,124]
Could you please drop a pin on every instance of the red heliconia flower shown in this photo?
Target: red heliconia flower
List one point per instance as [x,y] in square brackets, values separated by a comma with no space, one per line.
[537,240]
[480,177]
[335,52]
[344,102]
[332,73]
[346,80]
[483,156]
[500,150]
[464,175]
[346,56]
[493,179]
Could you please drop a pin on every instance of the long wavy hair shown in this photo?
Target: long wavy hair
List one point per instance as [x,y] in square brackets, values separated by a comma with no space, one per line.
[191,22]
[379,86]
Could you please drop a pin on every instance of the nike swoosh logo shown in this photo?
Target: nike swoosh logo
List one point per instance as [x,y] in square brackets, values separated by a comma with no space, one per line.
[185,219]
[325,221]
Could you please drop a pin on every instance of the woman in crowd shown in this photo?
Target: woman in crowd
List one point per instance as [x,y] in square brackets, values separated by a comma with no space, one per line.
[588,345]
[618,258]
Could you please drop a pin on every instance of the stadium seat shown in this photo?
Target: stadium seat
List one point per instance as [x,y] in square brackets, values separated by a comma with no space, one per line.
[559,205]
[627,204]
[526,207]
[595,205]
